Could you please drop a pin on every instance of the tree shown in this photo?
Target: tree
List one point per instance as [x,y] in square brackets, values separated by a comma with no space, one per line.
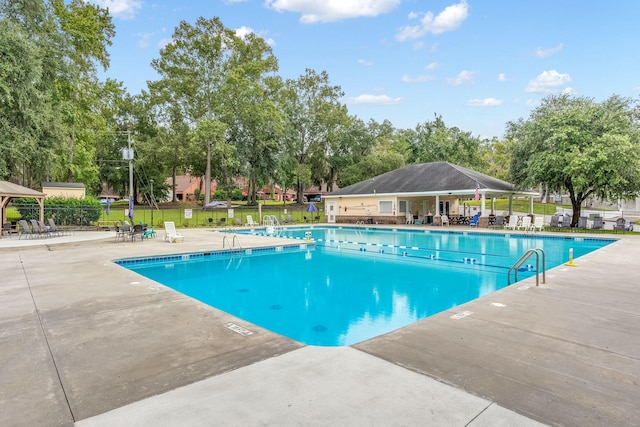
[193,69]
[581,146]
[435,142]
[314,118]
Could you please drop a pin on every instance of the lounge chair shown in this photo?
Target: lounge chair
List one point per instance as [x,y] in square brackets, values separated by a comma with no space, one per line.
[444,220]
[238,222]
[170,233]
[598,223]
[499,222]
[525,224]
[555,222]
[53,228]
[250,222]
[582,224]
[622,225]
[538,224]
[25,229]
[420,220]
[42,231]
[513,222]
[474,221]
[566,223]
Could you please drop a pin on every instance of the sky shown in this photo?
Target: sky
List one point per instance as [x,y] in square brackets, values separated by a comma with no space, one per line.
[477,63]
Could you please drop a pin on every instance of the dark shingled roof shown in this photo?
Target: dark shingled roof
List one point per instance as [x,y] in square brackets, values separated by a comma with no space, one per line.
[426,178]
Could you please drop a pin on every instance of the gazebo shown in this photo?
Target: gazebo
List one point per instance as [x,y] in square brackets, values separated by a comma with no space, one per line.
[9,190]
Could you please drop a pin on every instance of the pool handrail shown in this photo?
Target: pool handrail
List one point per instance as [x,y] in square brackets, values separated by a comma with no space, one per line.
[520,262]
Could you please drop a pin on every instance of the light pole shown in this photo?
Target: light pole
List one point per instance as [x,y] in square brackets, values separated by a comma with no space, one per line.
[153,202]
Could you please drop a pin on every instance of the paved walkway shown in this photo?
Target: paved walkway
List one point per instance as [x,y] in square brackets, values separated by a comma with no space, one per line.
[84,342]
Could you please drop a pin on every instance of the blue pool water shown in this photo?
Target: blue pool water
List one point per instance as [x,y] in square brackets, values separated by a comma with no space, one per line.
[354,284]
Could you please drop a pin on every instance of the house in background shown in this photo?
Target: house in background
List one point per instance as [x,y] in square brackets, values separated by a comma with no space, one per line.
[427,189]
[64,189]
[186,186]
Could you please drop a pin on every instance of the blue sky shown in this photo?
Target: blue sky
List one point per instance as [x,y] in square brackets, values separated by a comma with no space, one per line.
[478,64]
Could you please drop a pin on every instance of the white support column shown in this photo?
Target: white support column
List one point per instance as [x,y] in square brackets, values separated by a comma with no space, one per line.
[483,200]
[438,213]
[531,205]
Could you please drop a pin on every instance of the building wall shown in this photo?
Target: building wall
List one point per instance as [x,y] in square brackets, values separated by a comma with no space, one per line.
[353,209]
[77,193]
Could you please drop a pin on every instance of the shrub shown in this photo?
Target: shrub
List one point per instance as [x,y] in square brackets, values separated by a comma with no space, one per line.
[65,210]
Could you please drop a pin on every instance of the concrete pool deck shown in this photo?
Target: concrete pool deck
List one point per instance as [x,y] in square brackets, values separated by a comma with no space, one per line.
[85,342]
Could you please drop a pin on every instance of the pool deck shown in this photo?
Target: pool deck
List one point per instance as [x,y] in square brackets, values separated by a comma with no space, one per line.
[85,342]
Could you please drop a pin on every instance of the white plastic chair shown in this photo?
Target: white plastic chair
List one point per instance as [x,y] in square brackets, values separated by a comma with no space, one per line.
[526,223]
[250,221]
[171,235]
[444,220]
[513,222]
[538,223]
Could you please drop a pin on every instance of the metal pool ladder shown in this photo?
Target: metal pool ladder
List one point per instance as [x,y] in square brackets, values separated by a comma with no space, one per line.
[520,262]
[232,243]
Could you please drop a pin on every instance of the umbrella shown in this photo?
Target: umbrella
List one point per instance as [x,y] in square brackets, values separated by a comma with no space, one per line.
[108,206]
[131,208]
[312,208]
[215,204]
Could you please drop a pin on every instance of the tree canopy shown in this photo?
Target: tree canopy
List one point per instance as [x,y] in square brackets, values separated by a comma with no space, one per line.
[580,146]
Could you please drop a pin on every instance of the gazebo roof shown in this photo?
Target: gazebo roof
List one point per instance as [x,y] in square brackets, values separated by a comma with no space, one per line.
[9,189]
[427,178]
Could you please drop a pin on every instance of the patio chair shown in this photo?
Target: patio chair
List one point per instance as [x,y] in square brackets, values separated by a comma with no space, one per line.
[598,223]
[622,225]
[137,232]
[54,228]
[473,222]
[123,232]
[291,221]
[250,222]
[408,218]
[283,219]
[238,221]
[566,223]
[582,224]
[538,224]
[35,226]
[555,222]
[420,220]
[171,235]
[499,222]
[513,222]
[6,229]
[25,229]
[525,224]
[444,220]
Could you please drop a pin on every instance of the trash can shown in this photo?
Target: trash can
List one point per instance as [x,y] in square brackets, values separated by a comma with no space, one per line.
[369,220]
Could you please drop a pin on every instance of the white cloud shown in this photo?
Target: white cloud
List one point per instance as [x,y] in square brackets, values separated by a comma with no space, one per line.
[417,79]
[122,9]
[502,77]
[243,32]
[543,53]
[547,82]
[144,39]
[433,66]
[465,76]
[636,89]
[568,91]
[317,11]
[365,62]
[447,20]
[374,99]
[487,102]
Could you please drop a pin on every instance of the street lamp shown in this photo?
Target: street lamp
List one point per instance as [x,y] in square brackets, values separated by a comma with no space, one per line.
[152,202]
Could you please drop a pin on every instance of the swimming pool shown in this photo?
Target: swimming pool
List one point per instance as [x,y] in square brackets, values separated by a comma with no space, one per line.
[354,284]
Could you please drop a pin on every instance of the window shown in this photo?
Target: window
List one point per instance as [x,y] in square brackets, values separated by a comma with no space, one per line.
[402,206]
[385,206]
